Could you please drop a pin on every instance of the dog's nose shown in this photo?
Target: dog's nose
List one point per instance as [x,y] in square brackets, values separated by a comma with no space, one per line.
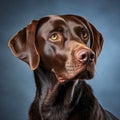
[85,56]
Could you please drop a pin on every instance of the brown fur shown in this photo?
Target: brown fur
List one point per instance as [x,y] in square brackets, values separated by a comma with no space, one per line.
[62,50]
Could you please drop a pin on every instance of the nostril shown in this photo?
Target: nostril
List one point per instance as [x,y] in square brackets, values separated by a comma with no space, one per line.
[83,56]
[92,56]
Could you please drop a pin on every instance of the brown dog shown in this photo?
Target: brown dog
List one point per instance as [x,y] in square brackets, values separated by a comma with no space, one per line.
[62,50]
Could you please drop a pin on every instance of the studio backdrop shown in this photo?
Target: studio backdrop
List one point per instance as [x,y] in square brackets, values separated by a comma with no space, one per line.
[17,87]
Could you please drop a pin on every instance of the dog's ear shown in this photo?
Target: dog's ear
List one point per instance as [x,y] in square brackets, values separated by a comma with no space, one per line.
[23,45]
[96,40]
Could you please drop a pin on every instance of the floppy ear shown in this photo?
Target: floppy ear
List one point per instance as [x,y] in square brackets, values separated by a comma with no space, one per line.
[96,40]
[23,46]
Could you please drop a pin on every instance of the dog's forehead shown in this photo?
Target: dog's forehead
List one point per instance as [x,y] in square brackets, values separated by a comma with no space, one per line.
[69,20]
[59,20]
[56,17]
[65,18]
[50,22]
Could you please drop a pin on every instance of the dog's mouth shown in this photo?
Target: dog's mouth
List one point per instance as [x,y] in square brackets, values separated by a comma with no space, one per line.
[85,72]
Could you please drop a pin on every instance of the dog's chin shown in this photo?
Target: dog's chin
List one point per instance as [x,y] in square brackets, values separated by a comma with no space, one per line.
[85,73]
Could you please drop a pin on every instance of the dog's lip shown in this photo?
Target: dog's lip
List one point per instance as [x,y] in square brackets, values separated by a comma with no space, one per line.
[64,78]
[81,74]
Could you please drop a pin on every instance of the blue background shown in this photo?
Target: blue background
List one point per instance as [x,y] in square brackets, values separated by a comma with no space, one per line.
[17,87]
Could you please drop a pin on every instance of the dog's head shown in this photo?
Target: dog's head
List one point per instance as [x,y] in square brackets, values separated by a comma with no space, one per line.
[68,45]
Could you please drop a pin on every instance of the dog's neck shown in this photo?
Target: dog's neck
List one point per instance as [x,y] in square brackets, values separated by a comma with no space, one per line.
[60,97]
[47,81]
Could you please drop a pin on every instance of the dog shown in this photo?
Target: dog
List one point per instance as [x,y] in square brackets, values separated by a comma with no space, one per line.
[62,51]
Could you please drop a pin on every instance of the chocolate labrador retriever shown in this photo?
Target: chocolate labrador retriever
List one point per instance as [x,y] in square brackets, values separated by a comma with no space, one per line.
[62,51]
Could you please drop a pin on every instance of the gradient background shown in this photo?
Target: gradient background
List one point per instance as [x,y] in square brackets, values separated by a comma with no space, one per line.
[17,88]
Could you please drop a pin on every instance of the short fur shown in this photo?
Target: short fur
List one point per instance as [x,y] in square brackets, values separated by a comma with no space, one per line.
[62,51]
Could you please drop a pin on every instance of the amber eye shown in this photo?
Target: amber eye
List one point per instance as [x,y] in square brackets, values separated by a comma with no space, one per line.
[84,34]
[55,37]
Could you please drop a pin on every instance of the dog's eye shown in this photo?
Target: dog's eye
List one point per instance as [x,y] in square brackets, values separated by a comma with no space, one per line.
[55,37]
[84,34]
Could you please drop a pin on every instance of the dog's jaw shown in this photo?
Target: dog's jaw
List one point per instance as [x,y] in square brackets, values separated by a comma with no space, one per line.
[83,73]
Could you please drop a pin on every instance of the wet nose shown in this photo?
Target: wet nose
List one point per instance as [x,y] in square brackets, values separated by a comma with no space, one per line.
[85,56]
